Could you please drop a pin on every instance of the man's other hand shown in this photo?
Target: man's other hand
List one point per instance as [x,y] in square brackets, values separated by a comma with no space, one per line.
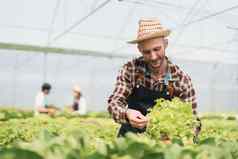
[136,119]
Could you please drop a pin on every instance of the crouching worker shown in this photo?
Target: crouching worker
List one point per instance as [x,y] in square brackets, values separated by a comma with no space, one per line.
[41,101]
[149,77]
[79,103]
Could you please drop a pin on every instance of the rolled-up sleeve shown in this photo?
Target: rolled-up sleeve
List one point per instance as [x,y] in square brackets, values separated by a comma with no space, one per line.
[188,92]
[117,102]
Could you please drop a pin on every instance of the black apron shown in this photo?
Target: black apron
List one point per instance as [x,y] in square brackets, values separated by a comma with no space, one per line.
[75,106]
[142,99]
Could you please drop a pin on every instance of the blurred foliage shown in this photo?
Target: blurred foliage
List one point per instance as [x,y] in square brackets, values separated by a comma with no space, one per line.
[14,113]
[93,136]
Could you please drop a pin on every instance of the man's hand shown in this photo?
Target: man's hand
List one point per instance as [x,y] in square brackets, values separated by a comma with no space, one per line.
[136,119]
[51,111]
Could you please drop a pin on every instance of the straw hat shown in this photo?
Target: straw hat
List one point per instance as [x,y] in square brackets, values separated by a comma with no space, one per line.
[76,88]
[149,29]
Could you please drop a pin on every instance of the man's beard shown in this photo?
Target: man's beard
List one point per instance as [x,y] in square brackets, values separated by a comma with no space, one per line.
[156,64]
[158,67]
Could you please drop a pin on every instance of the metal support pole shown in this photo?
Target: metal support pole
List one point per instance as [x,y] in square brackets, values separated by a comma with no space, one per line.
[45,67]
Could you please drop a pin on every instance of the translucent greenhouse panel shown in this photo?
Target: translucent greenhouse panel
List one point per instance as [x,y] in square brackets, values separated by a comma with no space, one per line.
[22,74]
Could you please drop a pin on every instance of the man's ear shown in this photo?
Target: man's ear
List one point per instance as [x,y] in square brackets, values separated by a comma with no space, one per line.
[166,42]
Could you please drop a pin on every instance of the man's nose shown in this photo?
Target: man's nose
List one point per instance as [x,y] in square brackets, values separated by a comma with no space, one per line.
[153,55]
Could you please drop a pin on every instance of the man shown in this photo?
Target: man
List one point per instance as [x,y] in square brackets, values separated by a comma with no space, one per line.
[41,102]
[79,103]
[147,78]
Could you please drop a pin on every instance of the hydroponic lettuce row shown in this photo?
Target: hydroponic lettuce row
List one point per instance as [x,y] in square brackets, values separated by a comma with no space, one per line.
[172,119]
[75,137]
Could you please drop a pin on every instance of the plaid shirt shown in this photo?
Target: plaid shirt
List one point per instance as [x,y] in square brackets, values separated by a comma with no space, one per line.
[128,79]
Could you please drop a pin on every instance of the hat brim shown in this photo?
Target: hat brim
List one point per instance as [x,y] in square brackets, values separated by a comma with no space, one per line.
[162,33]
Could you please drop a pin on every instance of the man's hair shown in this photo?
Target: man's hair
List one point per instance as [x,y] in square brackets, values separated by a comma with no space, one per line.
[45,86]
[164,39]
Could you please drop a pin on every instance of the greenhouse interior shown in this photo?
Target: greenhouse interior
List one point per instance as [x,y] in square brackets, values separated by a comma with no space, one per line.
[85,43]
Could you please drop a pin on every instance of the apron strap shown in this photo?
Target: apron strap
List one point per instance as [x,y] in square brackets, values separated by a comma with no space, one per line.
[167,83]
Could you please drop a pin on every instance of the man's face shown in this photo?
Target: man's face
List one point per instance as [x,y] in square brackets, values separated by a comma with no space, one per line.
[46,91]
[153,51]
